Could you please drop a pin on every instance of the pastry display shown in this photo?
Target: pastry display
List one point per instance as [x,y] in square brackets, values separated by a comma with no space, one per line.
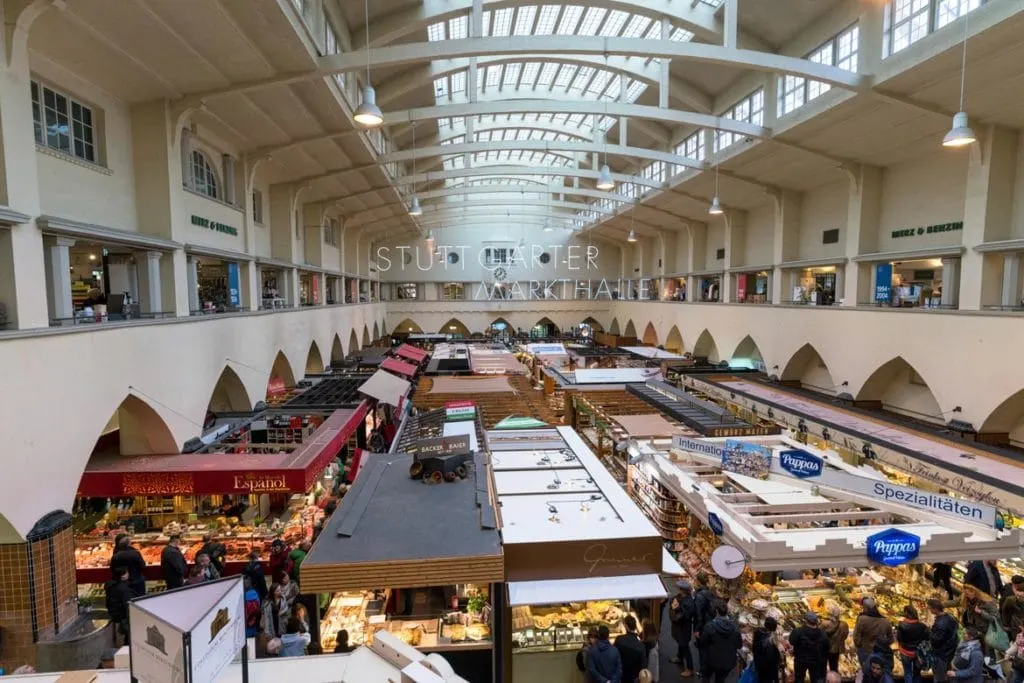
[563,626]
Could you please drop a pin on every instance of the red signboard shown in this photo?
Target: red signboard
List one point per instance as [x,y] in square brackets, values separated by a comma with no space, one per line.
[459,404]
[276,387]
[741,287]
[411,353]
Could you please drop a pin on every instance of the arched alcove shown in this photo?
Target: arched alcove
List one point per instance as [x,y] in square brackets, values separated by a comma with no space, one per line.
[650,335]
[353,342]
[1005,424]
[897,387]
[630,330]
[747,355]
[594,325]
[501,327]
[314,361]
[376,331]
[337,351]
[706,347]
[366,336]
[135,428]
[807,367]
[455,327]
[614,327]
[545,328]
[229,394]
[282,377]
[408,326]
[674,340]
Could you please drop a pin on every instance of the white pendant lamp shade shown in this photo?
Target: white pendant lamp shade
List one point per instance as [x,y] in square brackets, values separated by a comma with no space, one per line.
[716,207]
[368,114]
[522,243]
[631,237]
[430,240]
[604,181]
[547,226]
[414,206]
[960,134]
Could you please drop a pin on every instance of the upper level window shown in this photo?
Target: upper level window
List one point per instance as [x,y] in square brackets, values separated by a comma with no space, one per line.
[62,123]
[204,178]
[908,21]
[257,207]
[496,257]
[749,110]
[331,232]
[841,51]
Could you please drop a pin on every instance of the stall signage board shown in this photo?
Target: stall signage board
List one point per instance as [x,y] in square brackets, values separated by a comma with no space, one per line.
[684,443]
[715,524]
[541,349]
[883,282]
[928,230]
[459,410]
[234,288]
[801,464]
[748,459]
[958,508]
[445,445]
[214,225]
[893,547]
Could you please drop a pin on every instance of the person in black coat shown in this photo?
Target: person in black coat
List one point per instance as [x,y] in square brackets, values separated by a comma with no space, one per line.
[910,633]
[810,650]
[172,564]
[632,651]
[942,575]
[720,640]
[681,613]
[119,594]
[257,574]
[131,559]
[704,602]
[984,575]
[216,551]
[767,658]
[944,638]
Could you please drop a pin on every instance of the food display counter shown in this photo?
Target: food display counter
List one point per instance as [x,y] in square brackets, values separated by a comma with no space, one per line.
[550,628]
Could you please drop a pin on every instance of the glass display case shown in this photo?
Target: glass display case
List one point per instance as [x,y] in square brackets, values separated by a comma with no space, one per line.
[556,627]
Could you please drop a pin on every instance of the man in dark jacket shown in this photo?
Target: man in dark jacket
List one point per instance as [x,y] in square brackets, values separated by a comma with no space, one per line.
[257,574]
[869,627]
[1011,610]
[172,564]
[810,650]
[119,594]
[604,665]
[216,551]
[704,611]
[631,651]
[910,633]
[719,641]
[131,559]
[984,575]
[767,658]
[944,639]
[681,613]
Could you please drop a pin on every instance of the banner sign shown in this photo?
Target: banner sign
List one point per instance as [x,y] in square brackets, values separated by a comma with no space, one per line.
[741,287]
[883,282]
[445,445]
[748,459]
[685,443]
[234,288]
[893,547]
[803,465]
[459,410]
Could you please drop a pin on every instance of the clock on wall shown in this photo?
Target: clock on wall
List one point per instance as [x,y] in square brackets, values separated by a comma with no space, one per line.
[500,274]
[545,258]
[453,257]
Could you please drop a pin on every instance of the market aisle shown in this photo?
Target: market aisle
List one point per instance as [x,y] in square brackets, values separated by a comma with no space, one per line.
[671,672]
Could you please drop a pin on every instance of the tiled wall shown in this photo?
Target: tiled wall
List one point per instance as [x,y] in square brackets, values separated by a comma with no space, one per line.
[44,566]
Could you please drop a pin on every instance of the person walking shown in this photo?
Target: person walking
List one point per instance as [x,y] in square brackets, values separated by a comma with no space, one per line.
[129,557]
[870,624]
[341,646]
[837,631]
[704,612]
[294,640]
[650,637]
[216,551]
[204,570]
[681,613]
[279,561]
[810,650]
[768,662]
[720,639]
[289,590]
[256,574]
[118,594]
[968,662]
[172,563]
[984,575]
[604,665]
[1011,611]
[910,633]
[631,651]
[253,609]
[978,610]
[943,639]
[584,652]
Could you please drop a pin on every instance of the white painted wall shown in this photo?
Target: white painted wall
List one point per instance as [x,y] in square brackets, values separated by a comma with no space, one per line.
[823,208]
[1017,214]
[715,241]
[925,191]
[760,233]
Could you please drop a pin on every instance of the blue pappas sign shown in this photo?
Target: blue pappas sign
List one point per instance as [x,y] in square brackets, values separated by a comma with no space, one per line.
[715,524]
[893,547]
[801,464]
[234,291]
[883,282]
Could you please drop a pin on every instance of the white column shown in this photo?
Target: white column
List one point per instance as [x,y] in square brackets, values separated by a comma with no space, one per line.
[864,208]
[323,289]
[839,283]
[291,287]
[57,260]
[732,25]
[1011,281]
[193,283]
[735,238]
[786,242]
[150,294]
[950,282]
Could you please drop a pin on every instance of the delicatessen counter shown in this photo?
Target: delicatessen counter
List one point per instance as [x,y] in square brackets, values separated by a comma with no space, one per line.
[551,628]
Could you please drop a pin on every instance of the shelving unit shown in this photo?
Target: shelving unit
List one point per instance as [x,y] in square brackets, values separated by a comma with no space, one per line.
[664,510]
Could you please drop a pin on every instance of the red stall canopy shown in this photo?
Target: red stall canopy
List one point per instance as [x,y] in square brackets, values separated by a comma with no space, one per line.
[412,353]
[222,473]
[399,367]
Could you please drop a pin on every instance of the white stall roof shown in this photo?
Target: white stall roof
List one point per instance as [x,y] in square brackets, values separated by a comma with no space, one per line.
[651,352]
[616,376]
[462,428]
[385,387]
[580,590]
[534,481]
[670,566]
[533,460]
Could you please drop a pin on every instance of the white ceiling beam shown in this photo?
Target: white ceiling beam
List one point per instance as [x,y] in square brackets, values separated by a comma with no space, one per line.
[514,170]
[490,217]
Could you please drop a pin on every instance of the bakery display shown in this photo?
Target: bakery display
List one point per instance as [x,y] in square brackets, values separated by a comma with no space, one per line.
[564,626]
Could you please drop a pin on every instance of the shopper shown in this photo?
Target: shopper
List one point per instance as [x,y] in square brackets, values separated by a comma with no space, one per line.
[204,570]
[875,672]
[297,556]
[883,648]
[631,651]
[118,594]
[837,631]
[719,642]
[289,590]
[294,640]
[650,638]
[910,633]
[810,650]
[1015,655]
[604,665]
[978,610]
[173,564]
[942,575]
[704,611]
[681,613]
[253,609]
[275,613]
[768,662]
[968,663]
[342,647]
[943,638]
[870,624]
[216,551]
[256,574]
[984,575]
[131,559]
[279,561]
[1012,609]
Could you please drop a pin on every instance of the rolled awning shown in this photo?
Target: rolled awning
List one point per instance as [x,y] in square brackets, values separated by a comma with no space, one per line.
[385,387]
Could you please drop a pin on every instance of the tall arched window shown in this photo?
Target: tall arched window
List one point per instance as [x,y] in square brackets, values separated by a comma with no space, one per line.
[204,178]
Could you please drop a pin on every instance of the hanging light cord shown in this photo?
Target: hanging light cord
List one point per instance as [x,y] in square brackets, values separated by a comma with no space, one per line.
[963,65]
[366,15]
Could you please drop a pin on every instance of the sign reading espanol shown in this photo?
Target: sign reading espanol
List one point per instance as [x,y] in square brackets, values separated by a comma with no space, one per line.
[455,411]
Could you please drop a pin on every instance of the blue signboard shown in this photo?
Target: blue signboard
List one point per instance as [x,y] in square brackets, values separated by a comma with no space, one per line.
[715,524]
[234,290]
[883,282]
[801,464]
[893,547]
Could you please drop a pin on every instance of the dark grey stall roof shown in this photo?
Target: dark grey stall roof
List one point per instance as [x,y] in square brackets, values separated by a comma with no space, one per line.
[688,409]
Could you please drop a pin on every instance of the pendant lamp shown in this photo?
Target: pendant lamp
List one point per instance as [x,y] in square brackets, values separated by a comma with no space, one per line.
[368,114]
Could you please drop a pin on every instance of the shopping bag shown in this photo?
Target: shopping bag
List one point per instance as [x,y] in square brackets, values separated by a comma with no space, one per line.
[925,657]
[996,637]
[749,674]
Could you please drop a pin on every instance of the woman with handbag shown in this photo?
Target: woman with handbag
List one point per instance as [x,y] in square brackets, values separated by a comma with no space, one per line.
[968,663]
[980,611]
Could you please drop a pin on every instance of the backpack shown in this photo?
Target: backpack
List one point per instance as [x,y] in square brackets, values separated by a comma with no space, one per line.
[253,614]
[925,656]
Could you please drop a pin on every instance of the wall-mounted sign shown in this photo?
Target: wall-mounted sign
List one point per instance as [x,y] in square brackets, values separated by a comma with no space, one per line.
[893,547]
[234,287]
[260,484]
[928,230]
[445,445]
[801,464]
[883,282]
[682,443]
[214,225]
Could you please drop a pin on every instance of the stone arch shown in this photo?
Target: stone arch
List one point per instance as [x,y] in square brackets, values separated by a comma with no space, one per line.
[706,347]
[337,350]
[353,342]
[614,327]
[552,328]
[314,361]
[229,394]
[809,369]
[135,428]
[366,336]
[747,355]
[650,335]
[455,327]
[674,340]
[630,330]
[897,387]
[376,331]
[508,328]
[594,325]
[1005,424]
[408,326]
[281,375]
